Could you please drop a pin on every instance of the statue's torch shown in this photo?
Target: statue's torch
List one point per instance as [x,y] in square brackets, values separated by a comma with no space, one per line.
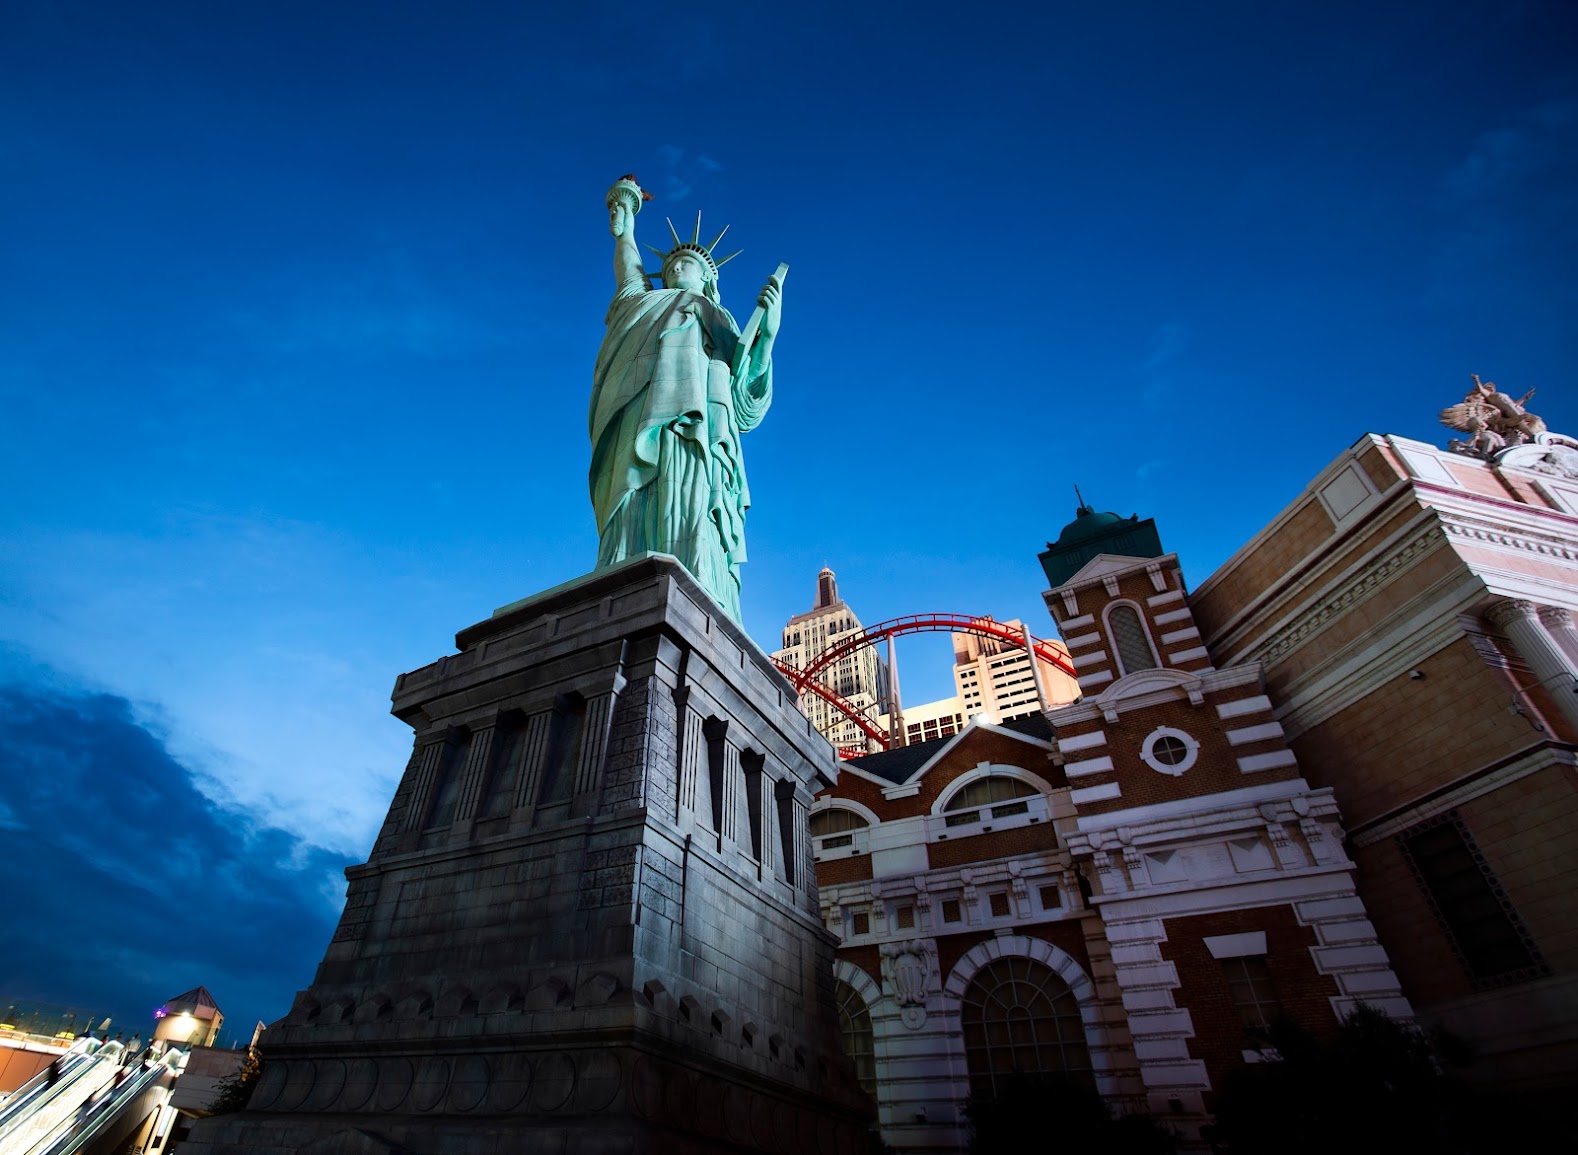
[629,195]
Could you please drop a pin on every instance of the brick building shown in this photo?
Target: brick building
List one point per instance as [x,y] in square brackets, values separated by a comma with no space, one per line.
[1412,610]
[1135,881]
[1163,863]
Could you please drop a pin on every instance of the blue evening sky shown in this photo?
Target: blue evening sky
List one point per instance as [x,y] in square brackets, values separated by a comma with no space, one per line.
[299,301]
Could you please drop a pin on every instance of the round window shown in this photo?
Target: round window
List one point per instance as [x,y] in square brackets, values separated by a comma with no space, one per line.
[1169,751]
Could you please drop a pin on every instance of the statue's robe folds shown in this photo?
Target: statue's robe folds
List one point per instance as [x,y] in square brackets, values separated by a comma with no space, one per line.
[666,417]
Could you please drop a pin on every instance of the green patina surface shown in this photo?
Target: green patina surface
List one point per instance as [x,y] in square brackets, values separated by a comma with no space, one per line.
[674,388]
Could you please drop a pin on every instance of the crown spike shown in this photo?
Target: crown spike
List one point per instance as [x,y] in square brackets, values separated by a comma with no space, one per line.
[718,238]
[661,255]
[672,230]
[695,237]
[729,258]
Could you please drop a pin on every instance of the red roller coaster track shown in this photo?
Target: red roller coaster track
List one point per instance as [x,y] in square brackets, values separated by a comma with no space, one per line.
[806,679]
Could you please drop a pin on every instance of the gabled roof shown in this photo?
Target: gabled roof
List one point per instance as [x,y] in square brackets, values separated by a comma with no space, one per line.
[196,1002]
[898,764]
[909,762]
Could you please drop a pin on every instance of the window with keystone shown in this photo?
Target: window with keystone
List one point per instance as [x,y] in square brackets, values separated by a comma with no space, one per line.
[1253,992]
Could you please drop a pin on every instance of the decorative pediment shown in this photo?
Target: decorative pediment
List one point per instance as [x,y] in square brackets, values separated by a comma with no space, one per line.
[1105,565]
[1148,683]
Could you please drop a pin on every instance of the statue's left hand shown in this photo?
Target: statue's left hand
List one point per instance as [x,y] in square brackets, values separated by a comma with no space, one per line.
[771,299]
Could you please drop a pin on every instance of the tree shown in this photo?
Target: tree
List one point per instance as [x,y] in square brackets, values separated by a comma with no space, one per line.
[237,1089]
[1376,1086]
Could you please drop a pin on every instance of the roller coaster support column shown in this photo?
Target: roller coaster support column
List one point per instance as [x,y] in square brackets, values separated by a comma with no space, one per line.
[895,711]
[1035,669]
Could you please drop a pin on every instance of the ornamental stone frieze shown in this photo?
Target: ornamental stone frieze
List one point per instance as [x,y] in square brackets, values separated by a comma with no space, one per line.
[1495,533]
[1339,601]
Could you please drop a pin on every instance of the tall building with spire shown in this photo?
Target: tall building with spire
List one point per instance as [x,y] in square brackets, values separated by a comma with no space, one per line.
[861,678]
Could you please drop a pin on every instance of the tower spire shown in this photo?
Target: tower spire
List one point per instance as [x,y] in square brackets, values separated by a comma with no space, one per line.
[826,588]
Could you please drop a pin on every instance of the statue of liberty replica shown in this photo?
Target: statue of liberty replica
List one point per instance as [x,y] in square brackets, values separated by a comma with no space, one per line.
[589,924]
[676,384]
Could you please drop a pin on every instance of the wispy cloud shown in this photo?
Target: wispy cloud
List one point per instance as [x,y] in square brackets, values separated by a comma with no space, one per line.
[1507,209]
[386,305]
[1164,352]
[675,187]
[1166,345]
[682,170]
[1512,155]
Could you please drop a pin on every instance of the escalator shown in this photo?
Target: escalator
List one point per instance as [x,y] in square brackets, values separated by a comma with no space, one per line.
[89,1101]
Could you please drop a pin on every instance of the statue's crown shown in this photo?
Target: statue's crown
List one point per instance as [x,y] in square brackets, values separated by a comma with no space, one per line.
[694,246]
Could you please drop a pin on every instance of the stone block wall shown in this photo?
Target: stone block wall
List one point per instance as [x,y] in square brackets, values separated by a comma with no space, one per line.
[589,916]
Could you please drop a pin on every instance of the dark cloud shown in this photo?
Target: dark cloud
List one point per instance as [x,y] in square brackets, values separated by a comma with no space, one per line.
[124,885]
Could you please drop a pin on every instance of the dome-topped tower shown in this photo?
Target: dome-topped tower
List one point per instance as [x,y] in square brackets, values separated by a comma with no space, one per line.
[1092,533]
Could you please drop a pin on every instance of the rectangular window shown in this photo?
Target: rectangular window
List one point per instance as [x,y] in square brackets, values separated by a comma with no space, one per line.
[1050,898]
[905,917]
[1249,984]
[1469,903]
[950,910]
[999,904]
[963,818]
[860,923]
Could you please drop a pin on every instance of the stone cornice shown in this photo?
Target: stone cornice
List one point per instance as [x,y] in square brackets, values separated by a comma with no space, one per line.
[1498,534]
[1355,586]
[1335,555]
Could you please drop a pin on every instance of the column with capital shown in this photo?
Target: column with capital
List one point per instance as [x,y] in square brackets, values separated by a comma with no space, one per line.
[1522,622]
[1559,624]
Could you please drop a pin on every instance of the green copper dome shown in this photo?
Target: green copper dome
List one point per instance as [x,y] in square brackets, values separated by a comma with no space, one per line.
[1092,533]
[1087,524]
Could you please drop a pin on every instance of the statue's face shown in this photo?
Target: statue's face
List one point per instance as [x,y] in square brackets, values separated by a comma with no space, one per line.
[685,272]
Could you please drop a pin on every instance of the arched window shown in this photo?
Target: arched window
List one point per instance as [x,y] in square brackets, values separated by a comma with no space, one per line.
[996,793]
[839,823]
[1130,639]
[854,1024]
[1019,1015]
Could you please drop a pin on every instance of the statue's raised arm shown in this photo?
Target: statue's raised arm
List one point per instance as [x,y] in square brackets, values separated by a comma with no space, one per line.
[624,202]
[676,384]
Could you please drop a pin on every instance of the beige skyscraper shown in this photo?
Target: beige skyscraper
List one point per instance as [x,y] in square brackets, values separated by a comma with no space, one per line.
[994,676]
[861,677]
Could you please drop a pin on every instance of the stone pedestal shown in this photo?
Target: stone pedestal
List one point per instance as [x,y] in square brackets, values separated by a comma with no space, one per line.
[589,922]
